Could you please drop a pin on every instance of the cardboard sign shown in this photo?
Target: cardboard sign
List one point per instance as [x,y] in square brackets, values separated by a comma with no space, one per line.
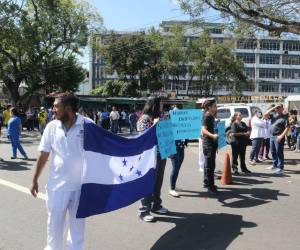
[165,138]
[186,123]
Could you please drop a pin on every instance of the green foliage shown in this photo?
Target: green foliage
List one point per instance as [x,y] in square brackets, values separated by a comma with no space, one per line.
[146,61]
[42,36]
[116,88]
[273,16]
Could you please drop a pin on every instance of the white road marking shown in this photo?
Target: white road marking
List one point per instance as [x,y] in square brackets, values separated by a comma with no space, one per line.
[20,188]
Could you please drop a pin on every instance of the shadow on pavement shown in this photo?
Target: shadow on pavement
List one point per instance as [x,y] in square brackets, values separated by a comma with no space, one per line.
[201,231]
[14,166]
[239,197]
[247,197]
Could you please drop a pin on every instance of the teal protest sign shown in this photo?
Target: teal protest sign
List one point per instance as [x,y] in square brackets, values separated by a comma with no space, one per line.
[186,123]
[222,134]
[165,138]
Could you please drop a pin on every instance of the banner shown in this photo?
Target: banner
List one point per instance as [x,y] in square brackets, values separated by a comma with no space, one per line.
[186,123]
[165,138]
[222,134]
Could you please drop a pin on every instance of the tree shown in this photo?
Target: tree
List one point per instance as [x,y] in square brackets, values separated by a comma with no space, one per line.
[116,88]
[36,33]
[174,56]
[274,16]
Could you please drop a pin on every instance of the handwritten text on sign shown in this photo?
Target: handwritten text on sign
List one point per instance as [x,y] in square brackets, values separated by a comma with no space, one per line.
[165,139]
[186,123]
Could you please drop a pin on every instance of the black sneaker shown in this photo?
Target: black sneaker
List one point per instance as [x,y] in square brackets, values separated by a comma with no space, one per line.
[235,171]
[161,210]
[13,157]
[246,171]
[213,190]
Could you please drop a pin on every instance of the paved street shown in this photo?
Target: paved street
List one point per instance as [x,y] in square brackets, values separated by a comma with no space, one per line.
[260,211]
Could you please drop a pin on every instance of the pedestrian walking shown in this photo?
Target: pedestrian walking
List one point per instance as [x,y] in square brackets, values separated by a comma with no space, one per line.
[279,129]
[114,119]
[257,136]
[132,121]
[42,118]
[63,138]
[238,141]
[151,114]
[210,144]
[6,115]
[14,129]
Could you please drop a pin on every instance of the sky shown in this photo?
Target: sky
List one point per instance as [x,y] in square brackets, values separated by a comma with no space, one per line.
[137,14]
[133,15]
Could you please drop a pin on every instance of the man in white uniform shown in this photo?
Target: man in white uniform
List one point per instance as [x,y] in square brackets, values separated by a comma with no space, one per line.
[62,137]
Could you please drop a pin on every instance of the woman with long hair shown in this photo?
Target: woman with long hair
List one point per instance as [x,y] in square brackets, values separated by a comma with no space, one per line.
[14,128]
[151,114]
[239,138]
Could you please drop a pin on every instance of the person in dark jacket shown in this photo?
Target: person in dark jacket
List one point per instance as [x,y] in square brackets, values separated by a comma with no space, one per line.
[239,138]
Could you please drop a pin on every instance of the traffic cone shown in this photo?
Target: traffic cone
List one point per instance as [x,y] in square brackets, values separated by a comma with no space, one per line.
[226,175]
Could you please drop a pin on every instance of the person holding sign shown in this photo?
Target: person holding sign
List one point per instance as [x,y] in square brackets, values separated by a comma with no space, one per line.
[239,138]
[177,160]
[210,144]
[151,113]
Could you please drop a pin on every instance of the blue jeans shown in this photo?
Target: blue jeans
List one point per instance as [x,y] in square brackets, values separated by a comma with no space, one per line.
[15,143]
[114,126]
[154,201]
[277,152]
[298,142]
[176,160]
[256,144]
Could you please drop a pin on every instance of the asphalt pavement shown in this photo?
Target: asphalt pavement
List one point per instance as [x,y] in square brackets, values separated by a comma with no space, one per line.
[259,211]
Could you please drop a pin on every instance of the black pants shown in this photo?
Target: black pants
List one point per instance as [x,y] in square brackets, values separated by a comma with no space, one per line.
[209,151]
[238,151]
[154,201]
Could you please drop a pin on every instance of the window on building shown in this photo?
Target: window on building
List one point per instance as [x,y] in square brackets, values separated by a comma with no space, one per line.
[249,72]
[223,113]
[291,74]
[246,44]
[290,88]
[269,73]
[268,87]
[291,60]
[214,30]
[291,46]
[269,45]
[269,59]
[246,57]
[250,87]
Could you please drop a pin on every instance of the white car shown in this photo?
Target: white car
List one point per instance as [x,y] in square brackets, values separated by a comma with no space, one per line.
[226,111]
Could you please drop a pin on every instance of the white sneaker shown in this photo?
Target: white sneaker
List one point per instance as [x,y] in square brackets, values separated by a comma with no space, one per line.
[162,210]
[252,163]
[271,168]
[279,171]
[147,218]
[173,193]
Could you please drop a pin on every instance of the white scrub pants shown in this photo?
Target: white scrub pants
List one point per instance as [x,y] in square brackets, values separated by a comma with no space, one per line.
[58,204]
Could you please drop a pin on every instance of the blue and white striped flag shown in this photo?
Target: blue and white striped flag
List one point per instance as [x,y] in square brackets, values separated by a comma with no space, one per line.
[117,171]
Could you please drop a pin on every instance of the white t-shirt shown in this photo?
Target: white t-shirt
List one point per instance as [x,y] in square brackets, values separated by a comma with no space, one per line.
[66,150]
[114,115]
[258,128]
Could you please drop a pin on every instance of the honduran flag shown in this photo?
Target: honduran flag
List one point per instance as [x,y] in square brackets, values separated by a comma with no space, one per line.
[117,171]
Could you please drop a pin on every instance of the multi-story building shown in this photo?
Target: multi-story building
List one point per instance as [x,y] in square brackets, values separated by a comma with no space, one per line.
[272,63]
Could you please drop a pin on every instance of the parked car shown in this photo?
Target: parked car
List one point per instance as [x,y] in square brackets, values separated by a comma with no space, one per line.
[226,111]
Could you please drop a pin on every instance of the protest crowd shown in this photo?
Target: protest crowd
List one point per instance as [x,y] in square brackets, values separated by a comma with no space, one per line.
[62,130]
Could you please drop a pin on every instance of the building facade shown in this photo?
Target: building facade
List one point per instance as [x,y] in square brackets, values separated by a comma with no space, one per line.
[273,64]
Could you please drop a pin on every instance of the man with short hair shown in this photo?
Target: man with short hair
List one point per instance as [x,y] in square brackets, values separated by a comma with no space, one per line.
[279,128]
[63,137]
[114,118]
[210,144]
